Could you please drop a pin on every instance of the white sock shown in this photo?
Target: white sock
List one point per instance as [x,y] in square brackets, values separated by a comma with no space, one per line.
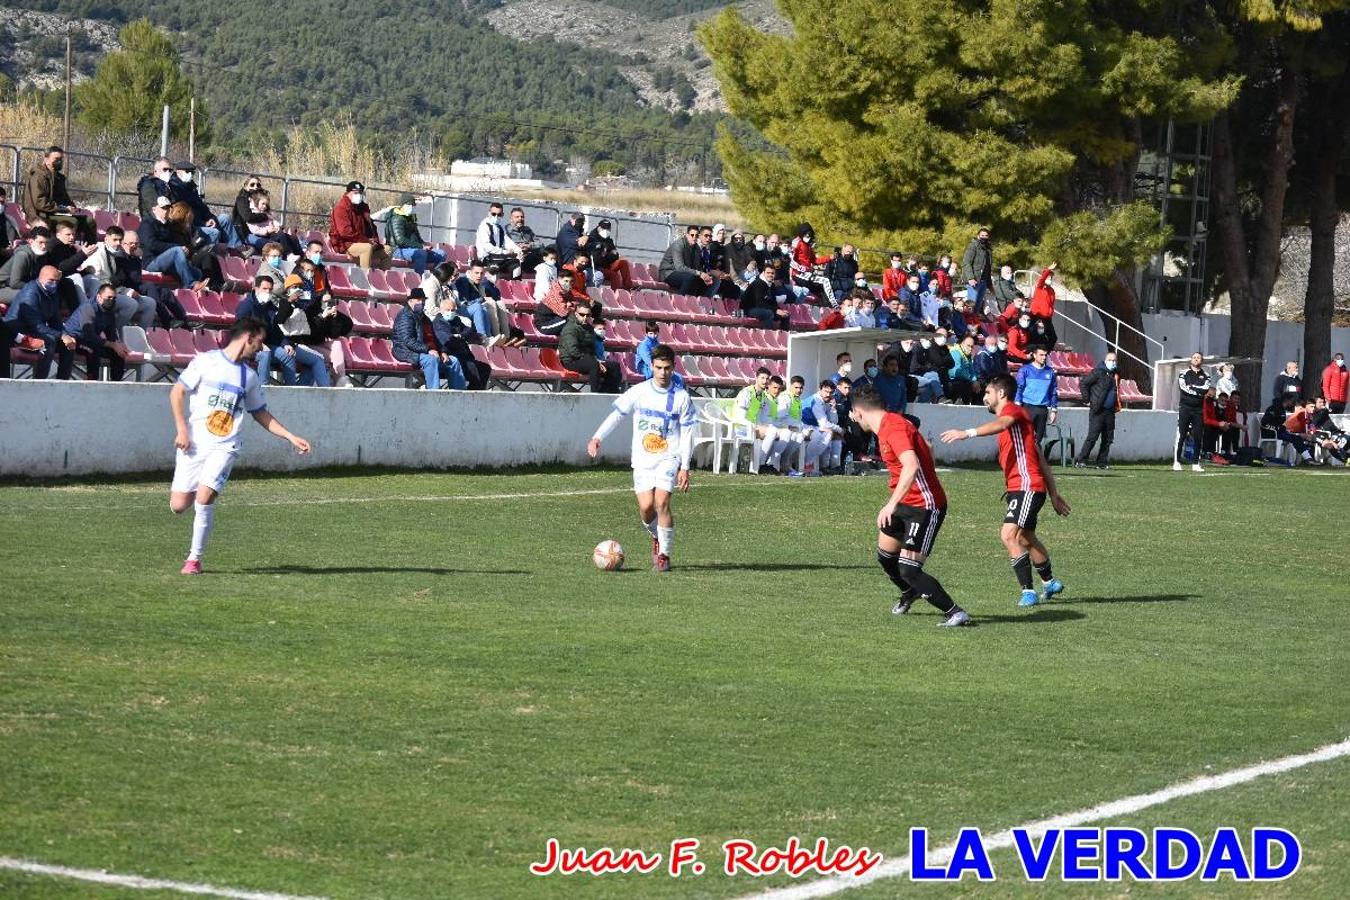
[651,527]
[665,537]
[766,443]
[202,521]
[776,458]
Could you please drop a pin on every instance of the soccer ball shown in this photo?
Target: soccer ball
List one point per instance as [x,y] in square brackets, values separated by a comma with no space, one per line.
[607,555]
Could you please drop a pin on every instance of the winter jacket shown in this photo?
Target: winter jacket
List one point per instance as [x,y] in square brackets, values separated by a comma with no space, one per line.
[35,312]
[679,258]
[92,325]
[892,281]
[577,341]
[407,338]
[403,233]
[1043,298]
[604,252]
[1006,292]
[841,271]
[43,192]
[804,258]
[148,191]
[963,366]
[568,242]
[157,237]
[758,295]
[270,314]
[1097,387]
[1335,383]
[1288,385]
[978,262]
[1019,344]
[990,363]
[351,224]
[22,268]
[941,279]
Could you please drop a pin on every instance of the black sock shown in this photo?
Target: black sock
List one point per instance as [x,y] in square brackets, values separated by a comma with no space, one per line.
[1022,569]
[927,585]
[890,562]
[1043,570]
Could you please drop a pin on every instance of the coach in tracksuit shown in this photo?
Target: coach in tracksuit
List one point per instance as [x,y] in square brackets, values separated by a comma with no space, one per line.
[1038,392]
[1193,382]
[1101,390]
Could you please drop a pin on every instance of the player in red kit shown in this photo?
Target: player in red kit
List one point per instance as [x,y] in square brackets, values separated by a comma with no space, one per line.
[1029,482]
[908,524]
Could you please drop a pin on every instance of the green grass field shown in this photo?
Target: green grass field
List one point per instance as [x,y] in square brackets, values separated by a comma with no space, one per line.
[403,690]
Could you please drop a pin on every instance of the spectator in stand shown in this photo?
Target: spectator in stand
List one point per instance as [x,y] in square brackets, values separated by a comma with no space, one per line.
[843,367]
[1227,383]
[773,254]
[327,323]
[642,357]
[34,321]
[491,246]
[1043,303]
[1038,392]
[26,262]
[480,298]
[108,263]
[937,360]
[891,384]
[165,249]
[238,232]
[170,312]
[313,275]
[1287,383]
[838,316]
[679,267]
[545,273]
[1221,428]
[46,200]
[1007,298]
[554,311]
[617,271]
[265,228]
[158,182]
[1019,340]
[1101,391]
[571,237]
[977,267]
[1192,382]
[183,189]
[9,229]
[718,265]
[758,302]
[931,307]
[890,314]
[804,263]
[708,261]
[410,346]
[1336,384]
[990,362]
[576,351]
[863,314]
[69,257]
[351,230]
[870,371]
[523,237]
[405,238]
[297,363]
[452,333]
[94,327]
[940,279]
[740,257]
[1040,335]
[961,383]
[842,271]
[893,280]
[274,264]
[911,303]
[584,275]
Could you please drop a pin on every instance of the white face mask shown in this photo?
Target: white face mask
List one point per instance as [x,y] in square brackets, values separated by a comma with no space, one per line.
[940,341]
[1003,345]
[913,285]
[263,296]
[846,368]
[1110,365]
[185,177]
[925,343]
[1341,363]
[1025,323]
[895,264]
[759,245]
[990,348]
[861,282]
[604,233]
[358,198]
[494,218]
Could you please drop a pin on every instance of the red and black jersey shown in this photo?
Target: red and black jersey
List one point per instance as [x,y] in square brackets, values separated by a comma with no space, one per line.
[1017,452]
[896,435]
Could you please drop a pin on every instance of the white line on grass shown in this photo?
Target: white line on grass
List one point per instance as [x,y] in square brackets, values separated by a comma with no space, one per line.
[139,883]
[1112,810]
[438,498]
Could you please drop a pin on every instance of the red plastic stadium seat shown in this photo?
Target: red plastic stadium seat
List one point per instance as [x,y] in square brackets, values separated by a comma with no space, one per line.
[184,347]
[192,305]
[129,221]
[205,341]
[341,286]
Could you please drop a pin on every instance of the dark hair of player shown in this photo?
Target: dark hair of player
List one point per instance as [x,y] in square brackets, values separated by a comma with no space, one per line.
[797,379]
[826,383]
[663,351]
[115,231]
[1004,383]
[258,281]
[247,326]
[764,370]
[846,380]
[653,326]
[840,356]
[866,398]
[774,379]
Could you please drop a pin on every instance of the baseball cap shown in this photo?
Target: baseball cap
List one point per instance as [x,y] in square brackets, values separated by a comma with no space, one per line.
[355,186]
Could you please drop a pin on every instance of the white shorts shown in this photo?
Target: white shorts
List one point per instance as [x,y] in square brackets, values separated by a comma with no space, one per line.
[656,478]
[202,467]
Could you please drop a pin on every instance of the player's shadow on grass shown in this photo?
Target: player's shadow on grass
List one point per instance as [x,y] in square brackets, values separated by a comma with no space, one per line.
[768,567]
[1035,617]
[1143,598]
[374,570]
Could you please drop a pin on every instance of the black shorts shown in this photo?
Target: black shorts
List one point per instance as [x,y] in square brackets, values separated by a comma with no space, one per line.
[915,528]
[1023,508]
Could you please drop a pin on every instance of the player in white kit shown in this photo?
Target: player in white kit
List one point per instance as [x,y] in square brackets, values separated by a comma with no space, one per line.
[209,402]
[664,420]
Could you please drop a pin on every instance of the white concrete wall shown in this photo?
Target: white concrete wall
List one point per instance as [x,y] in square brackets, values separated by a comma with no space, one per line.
[51,428]
[79,428]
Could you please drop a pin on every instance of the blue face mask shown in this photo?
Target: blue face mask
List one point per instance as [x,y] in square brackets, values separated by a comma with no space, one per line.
[316,258]
[871,371]
[1110,365]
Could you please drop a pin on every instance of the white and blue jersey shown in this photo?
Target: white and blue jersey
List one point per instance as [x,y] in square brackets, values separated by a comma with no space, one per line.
[220,392]
[663,424]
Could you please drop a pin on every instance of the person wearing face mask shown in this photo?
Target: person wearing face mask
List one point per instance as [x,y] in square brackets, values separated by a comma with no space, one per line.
[920,365]
[1038,391]
[842,272]
[1336,384]
[183,189]
[1019,340]
[274,264]
[863,314]
[492,245]
[990,362]
[351,230]
[296,363]
[843,367]
[402,235]
[452,333]
[571,237]
[1043,303]
[1227,382]
[912,304]
[939,362]
[94,327]
[164,250]
[804,262]
[157,183]
[740,256]
[1008,301]
[410,346]
[1101,390]
[577,352]
[46,199]
[977,266]
[33,321]
[1287,383]
[26,262]
[940,281]
[605,256]
[109,263]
